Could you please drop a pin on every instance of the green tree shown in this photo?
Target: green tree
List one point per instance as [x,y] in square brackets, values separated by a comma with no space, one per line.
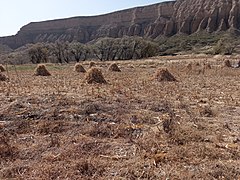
[124,48]
[226,45]
[79,51]
[38,53]
[105,48]
[62,51]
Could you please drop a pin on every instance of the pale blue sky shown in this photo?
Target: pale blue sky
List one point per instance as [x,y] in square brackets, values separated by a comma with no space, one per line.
[16,13]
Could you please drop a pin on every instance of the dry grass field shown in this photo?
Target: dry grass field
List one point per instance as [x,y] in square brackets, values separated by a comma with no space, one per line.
[132,127]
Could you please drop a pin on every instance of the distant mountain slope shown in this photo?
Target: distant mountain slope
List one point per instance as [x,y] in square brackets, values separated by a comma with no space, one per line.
[167,18]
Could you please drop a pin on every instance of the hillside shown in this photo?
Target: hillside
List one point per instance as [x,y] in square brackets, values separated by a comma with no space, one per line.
[162,19]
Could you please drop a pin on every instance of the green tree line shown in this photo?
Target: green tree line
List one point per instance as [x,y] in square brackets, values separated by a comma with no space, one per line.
[104,49]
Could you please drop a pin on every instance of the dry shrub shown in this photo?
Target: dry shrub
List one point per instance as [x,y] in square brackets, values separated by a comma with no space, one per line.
[129,132]
[227,63]
[206,111]
[2,68]
[222,170]
[181,133]
[192,66]
[41,70]
[20,127]
[195,68]
[7,151]
[3,77]
[86,169]
[48,127]
[114,67]
[13,172]
[90,108]
[89,169]
[94,75]
[163,74]
[79,68]
[92,64]
[101,130]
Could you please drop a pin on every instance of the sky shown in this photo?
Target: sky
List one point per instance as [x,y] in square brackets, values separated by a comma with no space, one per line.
[16,13]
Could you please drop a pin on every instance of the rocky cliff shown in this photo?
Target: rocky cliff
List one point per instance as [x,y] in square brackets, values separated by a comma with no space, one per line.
[167,18]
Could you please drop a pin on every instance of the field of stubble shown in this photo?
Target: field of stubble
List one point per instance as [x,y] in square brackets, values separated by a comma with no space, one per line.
[134,127]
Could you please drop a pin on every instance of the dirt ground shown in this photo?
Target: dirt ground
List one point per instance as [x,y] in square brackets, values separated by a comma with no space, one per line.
[133,127]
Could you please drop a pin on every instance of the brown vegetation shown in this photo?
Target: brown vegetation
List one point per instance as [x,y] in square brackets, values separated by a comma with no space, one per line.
[163,74]
[2,68]
[94,75]
[3,77]
[79,68]
[189,66]
[41,70]
[114,67]
[227,63]
[63,128]
[196,68]
[92,64]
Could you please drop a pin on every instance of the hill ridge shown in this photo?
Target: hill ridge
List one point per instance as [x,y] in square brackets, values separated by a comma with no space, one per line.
[161,19]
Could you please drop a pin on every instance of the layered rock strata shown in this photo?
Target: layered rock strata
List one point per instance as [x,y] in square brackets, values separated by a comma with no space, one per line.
[167,18]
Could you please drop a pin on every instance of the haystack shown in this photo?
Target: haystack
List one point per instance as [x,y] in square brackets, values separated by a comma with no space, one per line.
[79,68]
[41,70]
[114,67]
[227,63]
[94,75]
[163,74]
[91,64]
[3,77]
[2,68]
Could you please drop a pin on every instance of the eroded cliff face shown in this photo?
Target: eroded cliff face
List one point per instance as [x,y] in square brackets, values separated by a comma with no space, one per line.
[212,15]
[168,18]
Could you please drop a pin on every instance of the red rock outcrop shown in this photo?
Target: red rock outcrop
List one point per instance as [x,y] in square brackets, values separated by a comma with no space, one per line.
[167,18]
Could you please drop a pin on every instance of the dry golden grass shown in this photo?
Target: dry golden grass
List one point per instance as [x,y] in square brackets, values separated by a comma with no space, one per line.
[60,127]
